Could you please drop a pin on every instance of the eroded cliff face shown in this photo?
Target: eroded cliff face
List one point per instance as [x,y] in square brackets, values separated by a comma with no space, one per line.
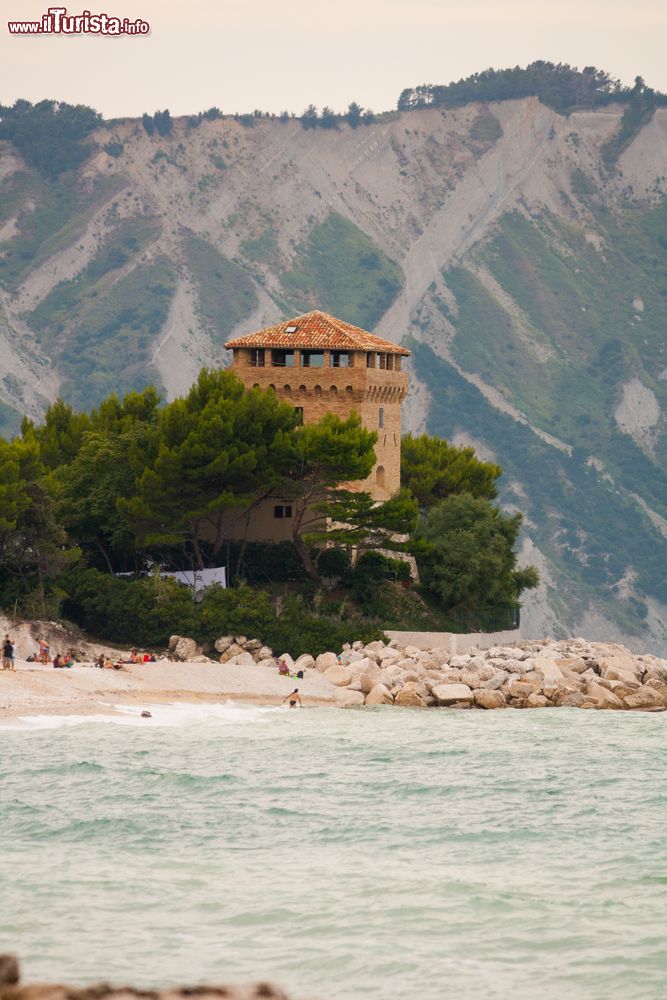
[527,279]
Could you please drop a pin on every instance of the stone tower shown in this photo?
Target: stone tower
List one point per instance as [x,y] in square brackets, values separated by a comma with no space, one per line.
[322,365]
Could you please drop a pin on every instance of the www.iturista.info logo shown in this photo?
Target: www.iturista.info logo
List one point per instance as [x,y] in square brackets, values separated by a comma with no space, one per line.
[57,21]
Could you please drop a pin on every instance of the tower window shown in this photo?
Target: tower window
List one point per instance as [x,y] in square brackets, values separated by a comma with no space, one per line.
[370,359]
[379,475]
[299,413]
[381,417]
[340,359]
[282,510]
[282,359]
[390,362]
[257,357]
[312,359]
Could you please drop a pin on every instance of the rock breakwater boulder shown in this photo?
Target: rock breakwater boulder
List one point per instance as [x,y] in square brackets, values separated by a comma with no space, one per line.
[571,673]
[12,989]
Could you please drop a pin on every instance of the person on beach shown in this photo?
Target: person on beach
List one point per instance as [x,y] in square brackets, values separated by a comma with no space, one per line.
[294,697]
[44,651]
[8,654]
[283,669]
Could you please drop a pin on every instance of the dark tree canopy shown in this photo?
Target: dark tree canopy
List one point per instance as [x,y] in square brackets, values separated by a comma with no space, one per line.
[466,558]
[432,469]
[49,135]
[559,86]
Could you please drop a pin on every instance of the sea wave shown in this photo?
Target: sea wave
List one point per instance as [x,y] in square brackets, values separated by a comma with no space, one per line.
[174,714]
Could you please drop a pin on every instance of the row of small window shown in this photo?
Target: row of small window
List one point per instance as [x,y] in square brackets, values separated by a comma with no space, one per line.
[309,359]
[316,359]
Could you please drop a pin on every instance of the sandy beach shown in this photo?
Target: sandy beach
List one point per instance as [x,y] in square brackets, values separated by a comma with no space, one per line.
[40,690]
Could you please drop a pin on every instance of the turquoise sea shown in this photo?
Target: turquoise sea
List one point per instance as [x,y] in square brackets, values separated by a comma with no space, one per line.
[386,854]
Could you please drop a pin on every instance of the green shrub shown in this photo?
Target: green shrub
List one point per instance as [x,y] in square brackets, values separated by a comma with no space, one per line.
[365,580]
[146,612]
[114,148]
[334,562]
[265,562]
[137,612]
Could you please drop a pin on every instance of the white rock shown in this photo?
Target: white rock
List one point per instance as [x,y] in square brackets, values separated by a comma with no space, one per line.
[656,672]
[230,653]
[551,673]
[304,662]
[485,672]
[347,698]
[446,694]
[367,683]
[489,699]
[265,653]
[461,660]
[243,659]
[250,645]
[389,654]
[186,649]
[572,663]
[514,666]
[574,699]
[409,699]
[536,700]
[614,673]
[602,697]
[363,664]
[408,663]
[379,695]
[326,660]
[223,643]
[645,697]
[340,676]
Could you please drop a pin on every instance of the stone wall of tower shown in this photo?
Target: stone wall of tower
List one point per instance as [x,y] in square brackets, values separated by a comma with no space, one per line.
[375,394]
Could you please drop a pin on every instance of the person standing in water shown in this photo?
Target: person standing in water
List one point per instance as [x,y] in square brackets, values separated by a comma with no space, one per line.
[294,697]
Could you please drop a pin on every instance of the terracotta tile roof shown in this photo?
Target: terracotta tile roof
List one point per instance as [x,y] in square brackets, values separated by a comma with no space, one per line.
[317,330]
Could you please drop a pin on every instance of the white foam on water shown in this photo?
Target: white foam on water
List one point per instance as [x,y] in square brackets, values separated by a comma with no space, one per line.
[176,714]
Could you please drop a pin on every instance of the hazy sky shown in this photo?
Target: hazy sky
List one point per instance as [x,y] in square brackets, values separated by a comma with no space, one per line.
[240,55]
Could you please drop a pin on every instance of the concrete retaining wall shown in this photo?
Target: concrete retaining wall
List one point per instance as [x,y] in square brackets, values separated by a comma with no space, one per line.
[454,642]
